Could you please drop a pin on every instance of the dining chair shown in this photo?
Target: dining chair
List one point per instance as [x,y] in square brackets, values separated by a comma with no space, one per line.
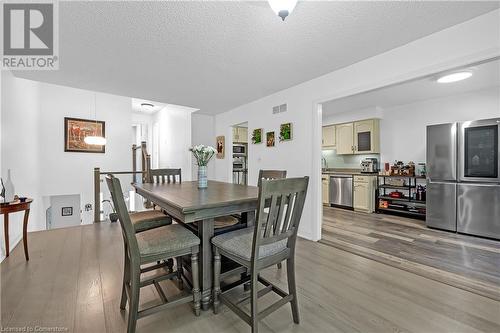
[223,223]
[271,240]
[154,218]
[143,251]
[270,175]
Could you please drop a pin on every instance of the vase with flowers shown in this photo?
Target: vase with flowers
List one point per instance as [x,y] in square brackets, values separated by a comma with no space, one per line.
[203,155]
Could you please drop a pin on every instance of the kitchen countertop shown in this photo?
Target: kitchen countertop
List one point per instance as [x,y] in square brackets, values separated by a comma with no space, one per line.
[331,171]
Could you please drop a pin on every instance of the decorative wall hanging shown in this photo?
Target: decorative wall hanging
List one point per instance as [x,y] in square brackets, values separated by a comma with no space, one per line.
[257,135]
[270,139]
[221,146]
[75,132]
[286,132]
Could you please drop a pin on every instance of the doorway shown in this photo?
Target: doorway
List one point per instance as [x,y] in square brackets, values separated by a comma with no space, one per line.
[240,153]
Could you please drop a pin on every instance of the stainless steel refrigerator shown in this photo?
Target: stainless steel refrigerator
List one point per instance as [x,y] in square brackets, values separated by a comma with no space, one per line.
[463,179]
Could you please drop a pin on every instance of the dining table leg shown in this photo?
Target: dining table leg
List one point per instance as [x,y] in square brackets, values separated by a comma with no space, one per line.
[205,233]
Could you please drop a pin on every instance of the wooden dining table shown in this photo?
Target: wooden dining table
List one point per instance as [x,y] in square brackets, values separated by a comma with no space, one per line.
[188,204]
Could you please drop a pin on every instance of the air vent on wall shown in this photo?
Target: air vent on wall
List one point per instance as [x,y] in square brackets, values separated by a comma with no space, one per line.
[279,108]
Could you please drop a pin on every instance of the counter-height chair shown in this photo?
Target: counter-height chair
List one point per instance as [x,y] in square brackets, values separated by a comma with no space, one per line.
[271,240]
[226,223]
[154,218]
[270,175]
[142,250]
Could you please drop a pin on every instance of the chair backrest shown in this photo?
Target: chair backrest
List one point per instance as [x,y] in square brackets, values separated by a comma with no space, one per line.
[165,175]
[270,174]
[284,198]
[128,230]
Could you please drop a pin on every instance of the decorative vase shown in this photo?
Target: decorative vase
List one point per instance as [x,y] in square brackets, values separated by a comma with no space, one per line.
[202,176]
[9,188]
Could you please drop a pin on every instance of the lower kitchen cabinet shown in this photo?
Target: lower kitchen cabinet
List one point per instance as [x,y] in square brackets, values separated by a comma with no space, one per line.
[325,181]
[364,193]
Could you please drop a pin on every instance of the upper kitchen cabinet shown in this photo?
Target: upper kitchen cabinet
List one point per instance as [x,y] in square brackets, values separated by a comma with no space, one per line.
[240,134]
[329,139]
[344,138]
[366,137]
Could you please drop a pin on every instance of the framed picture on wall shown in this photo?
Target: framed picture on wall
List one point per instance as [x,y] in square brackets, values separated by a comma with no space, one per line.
[286,132]
[75,131]
[270,139]
[257,135]
[67,211]
[220,146]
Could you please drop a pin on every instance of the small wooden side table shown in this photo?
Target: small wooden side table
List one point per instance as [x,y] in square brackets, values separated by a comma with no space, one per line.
[13,207]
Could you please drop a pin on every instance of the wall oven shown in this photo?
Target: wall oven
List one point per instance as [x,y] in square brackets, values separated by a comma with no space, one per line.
[239,150]
[479,157]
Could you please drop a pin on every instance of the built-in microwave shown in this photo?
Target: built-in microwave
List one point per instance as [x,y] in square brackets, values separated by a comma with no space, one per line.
[240,150]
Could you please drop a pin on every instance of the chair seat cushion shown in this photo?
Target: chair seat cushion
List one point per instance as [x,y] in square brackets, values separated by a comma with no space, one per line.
[165,240]
[225,221]
[149,219]
[239,243]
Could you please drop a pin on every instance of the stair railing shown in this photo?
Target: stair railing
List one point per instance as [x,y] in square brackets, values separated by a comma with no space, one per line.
[145,175]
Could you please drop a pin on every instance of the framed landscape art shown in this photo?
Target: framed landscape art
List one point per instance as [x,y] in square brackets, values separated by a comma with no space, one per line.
[75,131]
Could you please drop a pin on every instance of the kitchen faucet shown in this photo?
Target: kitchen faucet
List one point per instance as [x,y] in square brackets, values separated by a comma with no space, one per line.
[324,164]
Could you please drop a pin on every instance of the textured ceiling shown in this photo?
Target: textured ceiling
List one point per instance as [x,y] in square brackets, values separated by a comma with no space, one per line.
[485,76]
[217,55]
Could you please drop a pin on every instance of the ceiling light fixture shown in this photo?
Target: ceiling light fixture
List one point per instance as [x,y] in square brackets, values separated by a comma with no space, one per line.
[147,106]
[455,77]
[282,8]
[97,140]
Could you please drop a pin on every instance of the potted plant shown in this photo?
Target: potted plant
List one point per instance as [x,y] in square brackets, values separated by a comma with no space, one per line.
[203,155]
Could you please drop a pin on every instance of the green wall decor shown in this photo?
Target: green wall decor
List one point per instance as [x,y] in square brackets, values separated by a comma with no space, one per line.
[257,136]
[286,132]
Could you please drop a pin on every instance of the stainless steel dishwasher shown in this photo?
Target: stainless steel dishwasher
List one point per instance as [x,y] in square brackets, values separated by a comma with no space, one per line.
[341,190]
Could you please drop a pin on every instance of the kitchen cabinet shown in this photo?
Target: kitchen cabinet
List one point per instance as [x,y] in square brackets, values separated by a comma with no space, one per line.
[364,193]
[344,138]
[240,134]
[329,139]
[366,137]
[325,180]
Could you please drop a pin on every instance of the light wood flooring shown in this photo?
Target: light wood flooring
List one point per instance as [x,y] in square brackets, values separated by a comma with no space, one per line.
[73,280]
[466,262]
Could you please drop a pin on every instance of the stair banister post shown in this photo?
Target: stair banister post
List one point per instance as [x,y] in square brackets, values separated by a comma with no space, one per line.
[134,162]
[97,195]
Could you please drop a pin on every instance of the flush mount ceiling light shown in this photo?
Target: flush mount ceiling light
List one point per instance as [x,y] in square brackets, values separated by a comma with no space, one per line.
[95,139]
[455,77]
[147,106]
[282,8]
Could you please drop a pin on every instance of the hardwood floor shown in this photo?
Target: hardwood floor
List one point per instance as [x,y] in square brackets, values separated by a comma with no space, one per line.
[73,280]
[466,262]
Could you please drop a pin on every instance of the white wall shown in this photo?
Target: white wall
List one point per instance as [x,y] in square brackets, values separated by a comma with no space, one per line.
[203,133]
[345,117]
[21,116]
[408,123]
[33,143]
[470,41]
[175,139]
